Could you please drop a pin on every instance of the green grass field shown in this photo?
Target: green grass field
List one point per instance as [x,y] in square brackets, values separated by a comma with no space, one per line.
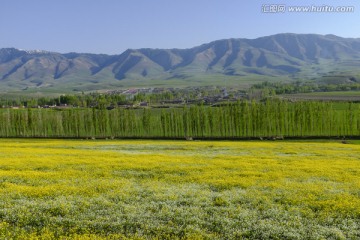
[335,96]
[73,189]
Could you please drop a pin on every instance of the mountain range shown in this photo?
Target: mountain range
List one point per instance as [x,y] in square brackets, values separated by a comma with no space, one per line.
[232,62]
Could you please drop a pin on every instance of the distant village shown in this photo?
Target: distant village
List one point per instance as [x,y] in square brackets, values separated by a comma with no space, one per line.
[134,98]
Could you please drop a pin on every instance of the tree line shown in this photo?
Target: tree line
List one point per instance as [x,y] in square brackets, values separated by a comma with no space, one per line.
[102,100]
[244,119]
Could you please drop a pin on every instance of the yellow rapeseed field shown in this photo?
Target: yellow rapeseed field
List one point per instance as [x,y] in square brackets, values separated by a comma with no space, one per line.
[117,189]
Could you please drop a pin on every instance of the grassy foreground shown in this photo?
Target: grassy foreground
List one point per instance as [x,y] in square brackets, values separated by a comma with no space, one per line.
[72,189]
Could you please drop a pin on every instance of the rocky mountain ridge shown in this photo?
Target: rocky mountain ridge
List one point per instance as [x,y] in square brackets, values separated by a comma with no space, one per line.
[284,55]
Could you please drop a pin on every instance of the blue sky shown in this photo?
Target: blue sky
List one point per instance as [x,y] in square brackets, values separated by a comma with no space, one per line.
[112,26]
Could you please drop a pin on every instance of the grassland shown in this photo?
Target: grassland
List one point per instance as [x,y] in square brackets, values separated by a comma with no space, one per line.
[330,96]
[73,189]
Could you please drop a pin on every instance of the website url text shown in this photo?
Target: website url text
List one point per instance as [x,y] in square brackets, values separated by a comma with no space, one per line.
[283,8]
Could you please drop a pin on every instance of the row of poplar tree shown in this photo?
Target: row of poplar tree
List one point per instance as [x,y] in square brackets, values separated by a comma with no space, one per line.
[239,120]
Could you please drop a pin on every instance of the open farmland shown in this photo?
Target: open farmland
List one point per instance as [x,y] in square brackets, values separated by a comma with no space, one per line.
[72,189]
[349,96]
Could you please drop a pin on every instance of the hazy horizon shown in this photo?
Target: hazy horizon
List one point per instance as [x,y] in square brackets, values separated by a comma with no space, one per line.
[49,50]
